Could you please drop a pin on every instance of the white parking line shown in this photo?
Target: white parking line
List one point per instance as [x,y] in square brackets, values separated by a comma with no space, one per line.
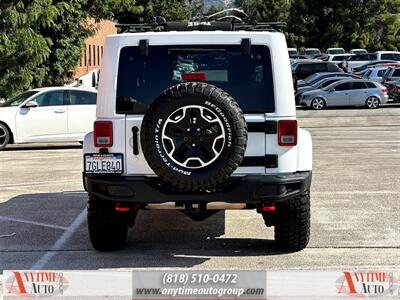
[44,183]
[356,192]
[41,263]
[32,223]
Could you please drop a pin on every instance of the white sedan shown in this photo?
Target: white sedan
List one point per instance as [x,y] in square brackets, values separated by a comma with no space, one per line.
[53,114]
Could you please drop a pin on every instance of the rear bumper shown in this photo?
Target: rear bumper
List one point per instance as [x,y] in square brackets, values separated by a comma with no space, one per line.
[251,189]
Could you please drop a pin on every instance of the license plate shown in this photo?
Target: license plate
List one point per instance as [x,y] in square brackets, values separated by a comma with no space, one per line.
[109,163]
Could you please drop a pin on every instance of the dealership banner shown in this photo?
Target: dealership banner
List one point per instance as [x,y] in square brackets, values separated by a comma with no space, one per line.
[67,284]
[201,284]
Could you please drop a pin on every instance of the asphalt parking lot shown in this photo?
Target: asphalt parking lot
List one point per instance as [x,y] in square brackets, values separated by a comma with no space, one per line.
[355,209]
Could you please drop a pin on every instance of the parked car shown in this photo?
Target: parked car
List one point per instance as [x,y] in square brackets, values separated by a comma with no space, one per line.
[335,51]
[348,92]
[375,74]
[311,52]
[337,58]
[53,114]
[358,51]
[357,70]
[357,60]
[318,76]
[394,91]
[305,69]
[318,85]
[293,52]
[388,55]
[391,74]
[353,64]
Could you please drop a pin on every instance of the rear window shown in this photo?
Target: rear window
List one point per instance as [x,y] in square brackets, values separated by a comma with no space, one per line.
[391,56]
[320,67]
[339,58]
[248,78]
[367,73]
[380,73]
[363,57]
[396,73]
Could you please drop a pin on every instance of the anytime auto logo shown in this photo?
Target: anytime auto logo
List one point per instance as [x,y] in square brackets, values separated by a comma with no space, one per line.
[368,284]
[36,284]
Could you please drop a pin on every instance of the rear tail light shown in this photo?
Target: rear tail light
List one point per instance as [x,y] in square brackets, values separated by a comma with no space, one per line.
[199,76]
[287,133]
[103,134]
[119,207]
[384,90]
[269,207]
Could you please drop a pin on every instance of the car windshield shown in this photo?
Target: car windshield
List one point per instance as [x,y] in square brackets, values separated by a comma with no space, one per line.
[330,86]
[19,99]
[248,78]
[311,52]
[312,77]
[336,51]
[323,84]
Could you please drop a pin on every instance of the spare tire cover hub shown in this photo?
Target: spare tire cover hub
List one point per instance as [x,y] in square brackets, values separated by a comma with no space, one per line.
[193,136]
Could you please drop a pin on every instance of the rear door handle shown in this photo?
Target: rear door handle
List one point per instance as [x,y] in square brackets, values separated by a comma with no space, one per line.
[59,111]
[135,140]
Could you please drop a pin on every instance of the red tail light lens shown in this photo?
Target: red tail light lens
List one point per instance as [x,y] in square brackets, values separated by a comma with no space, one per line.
[269,207]
[103,134]
[200,76]
[384,90]
[287,133]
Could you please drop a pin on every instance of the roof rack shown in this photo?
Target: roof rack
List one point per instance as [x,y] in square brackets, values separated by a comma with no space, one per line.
[231,19]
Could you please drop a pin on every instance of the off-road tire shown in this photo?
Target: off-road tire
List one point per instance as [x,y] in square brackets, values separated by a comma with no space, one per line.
[292,223]
[205,177]
[108,229]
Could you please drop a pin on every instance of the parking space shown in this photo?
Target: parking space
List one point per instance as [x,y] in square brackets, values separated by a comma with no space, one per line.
[355,209]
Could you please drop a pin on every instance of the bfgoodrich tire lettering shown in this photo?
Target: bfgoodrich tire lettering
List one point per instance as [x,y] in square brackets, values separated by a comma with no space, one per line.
[194,136]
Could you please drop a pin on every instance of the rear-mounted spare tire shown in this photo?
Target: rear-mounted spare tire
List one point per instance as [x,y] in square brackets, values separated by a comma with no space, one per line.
[194,136]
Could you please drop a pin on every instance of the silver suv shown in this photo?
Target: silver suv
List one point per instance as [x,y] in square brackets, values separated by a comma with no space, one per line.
[197,121]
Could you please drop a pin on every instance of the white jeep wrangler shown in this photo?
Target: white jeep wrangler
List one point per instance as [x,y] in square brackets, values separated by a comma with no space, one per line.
[197,120]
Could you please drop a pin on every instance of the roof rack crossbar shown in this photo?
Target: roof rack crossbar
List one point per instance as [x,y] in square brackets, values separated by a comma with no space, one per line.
[230,19]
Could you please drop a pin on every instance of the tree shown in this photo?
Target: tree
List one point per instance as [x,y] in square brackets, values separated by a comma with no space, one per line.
[266,10]
[41,40]
[23,50]
[171,10]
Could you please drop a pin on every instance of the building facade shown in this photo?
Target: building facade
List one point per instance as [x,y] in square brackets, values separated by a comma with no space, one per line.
[94,45]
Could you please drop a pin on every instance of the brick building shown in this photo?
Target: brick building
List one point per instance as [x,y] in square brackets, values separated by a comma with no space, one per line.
[94,45]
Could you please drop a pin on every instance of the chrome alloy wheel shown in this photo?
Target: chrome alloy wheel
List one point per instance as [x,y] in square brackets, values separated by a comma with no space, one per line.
[372,102]
[193,136]
[318,103]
